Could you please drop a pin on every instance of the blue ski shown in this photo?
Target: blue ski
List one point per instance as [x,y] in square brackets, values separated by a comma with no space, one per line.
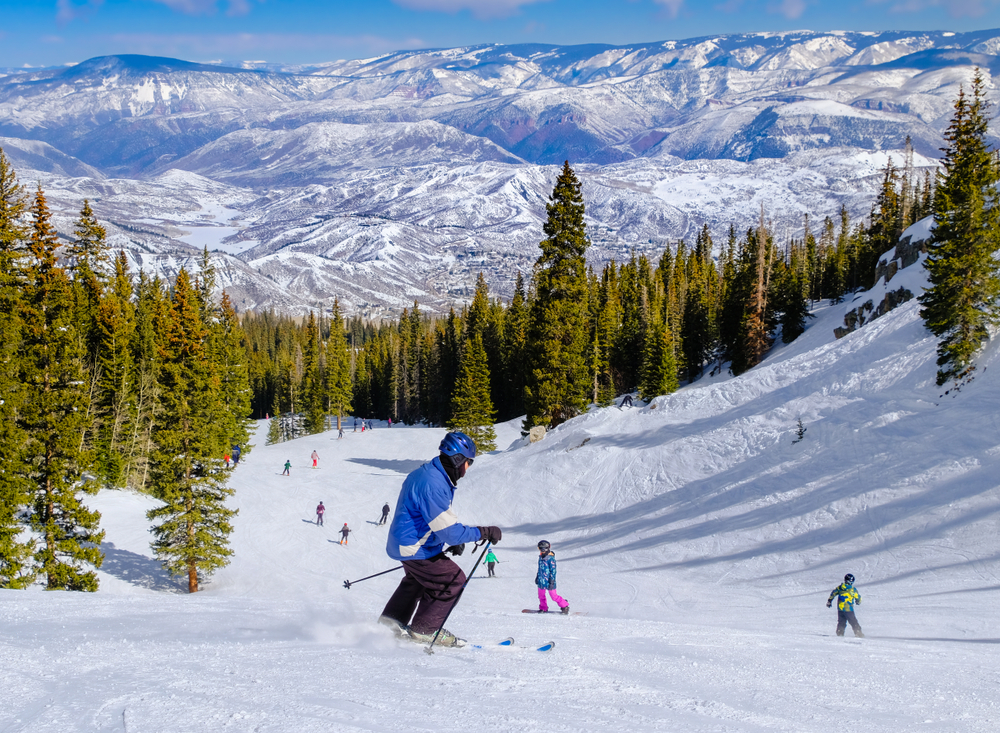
[510,642]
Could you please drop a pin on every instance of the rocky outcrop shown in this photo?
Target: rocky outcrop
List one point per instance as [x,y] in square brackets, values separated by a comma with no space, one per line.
[906,253]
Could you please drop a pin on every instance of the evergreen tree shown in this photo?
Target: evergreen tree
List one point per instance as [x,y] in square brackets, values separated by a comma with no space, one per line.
[338,368]
[53,416]
[231,351]
[16,570]
[312,382]
[961,303]
[115,410]
[557,383]
[187,472]
[659,368]
[471,407]
[515,341]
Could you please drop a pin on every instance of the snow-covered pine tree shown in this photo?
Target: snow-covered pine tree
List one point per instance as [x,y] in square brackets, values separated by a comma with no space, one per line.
[961,304]
[471,407]
[557,382]
[16,568]
[54,415]
[187,471]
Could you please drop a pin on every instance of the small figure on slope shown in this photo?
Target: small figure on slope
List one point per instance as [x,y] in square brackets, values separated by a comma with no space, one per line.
[847,595]
[320,511]
[315,458]
[422,525]
[626,401]
[491,561]
[236,455]
[385,513]
[227,460]
[344,531]
[288,467]
[546,579]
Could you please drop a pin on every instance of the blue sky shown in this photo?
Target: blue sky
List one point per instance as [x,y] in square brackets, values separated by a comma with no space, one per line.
[53,32]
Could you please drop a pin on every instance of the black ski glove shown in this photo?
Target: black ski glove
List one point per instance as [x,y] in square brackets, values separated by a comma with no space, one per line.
[456,550]
[490,534]
[829,604]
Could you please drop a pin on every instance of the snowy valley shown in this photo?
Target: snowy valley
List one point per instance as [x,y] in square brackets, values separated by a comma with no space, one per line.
[398,178]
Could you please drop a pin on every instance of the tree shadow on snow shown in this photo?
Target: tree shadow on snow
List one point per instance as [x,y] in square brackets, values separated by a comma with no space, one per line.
[137,570]
[400,466]
[781,484]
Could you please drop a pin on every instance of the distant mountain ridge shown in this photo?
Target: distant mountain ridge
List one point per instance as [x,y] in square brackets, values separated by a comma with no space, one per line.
[447,155]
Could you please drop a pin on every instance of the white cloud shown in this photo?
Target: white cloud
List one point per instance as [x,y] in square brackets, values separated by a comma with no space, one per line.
[481,9]
[791,9]
[206,7]
[67,10]
[673,6]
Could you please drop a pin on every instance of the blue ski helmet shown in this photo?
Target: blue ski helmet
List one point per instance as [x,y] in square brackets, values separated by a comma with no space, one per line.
[458,444]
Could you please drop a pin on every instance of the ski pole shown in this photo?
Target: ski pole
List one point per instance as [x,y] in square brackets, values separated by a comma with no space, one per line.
[349,583]
[430,649]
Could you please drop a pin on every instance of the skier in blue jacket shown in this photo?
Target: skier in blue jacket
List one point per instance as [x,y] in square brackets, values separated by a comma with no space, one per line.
[422,525]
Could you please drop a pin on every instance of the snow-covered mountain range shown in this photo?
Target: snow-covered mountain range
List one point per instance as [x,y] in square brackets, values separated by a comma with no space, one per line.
[385,180]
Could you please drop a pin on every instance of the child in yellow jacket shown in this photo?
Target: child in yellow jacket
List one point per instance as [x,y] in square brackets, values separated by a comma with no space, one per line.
[847,595]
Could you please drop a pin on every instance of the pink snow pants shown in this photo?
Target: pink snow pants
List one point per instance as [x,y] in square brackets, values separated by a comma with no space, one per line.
[543,606]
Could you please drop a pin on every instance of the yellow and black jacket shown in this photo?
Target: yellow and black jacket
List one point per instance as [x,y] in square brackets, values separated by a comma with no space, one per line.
[848,596]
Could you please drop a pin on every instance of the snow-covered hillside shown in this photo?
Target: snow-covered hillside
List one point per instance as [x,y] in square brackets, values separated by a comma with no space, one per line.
[387,180]
[699,540]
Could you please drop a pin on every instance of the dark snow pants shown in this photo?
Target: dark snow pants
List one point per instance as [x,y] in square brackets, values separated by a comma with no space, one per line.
[430,587]
[489,568]
[843,617]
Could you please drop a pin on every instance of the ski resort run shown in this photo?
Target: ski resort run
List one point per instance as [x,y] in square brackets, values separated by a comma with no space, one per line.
[697,537]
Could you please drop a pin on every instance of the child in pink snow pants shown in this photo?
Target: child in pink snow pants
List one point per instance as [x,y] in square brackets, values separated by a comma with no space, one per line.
[546,579]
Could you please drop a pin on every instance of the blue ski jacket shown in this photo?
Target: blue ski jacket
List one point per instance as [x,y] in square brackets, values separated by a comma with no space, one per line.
[423,522]
[546,577]
[846,596]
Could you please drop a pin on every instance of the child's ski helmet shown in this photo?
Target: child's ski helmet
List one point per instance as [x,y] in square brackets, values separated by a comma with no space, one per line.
[848,578]
[544,546]
[458,444]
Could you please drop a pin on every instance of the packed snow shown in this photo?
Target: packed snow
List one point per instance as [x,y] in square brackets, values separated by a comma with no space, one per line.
[696,535]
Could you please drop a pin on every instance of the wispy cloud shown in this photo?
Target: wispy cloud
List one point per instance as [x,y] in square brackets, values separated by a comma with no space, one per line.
[206,7]
[195,46]
[954,8]
[68,11]
[791,9]
[482,9]
[673,6]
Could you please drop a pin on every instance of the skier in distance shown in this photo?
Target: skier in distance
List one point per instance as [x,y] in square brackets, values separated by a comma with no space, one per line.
[315,458]
[320,510]
[385,513]
[545,579]
[847,595]
[491,561]
[288,467]
[422,525]
[344,531]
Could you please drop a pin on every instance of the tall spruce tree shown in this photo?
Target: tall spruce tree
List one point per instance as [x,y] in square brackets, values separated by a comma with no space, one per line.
[115,408]
[191,534]
[659,367]
[54,416]
[557,383]
[961,303]
[16,569]
[338,368]
[471,407]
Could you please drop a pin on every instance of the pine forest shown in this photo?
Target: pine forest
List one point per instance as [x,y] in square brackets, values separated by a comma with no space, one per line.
[111,379]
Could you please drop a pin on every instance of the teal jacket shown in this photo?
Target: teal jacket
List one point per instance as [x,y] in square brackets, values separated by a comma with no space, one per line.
[490,557]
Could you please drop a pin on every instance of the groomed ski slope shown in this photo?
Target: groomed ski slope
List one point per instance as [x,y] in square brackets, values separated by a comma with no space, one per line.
[699,540]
